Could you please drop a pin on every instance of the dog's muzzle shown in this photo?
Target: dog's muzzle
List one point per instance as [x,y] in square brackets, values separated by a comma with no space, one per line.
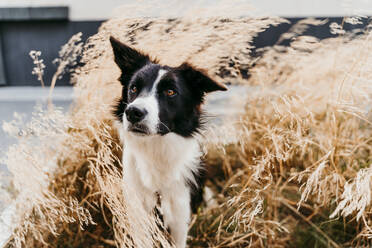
[135,117]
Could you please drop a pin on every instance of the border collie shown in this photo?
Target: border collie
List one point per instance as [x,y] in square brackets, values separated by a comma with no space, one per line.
[160,113]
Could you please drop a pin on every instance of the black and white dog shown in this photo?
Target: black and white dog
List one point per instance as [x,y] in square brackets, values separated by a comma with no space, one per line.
[160,114]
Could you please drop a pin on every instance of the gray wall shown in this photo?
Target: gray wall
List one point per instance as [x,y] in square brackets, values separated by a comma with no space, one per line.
[18,38]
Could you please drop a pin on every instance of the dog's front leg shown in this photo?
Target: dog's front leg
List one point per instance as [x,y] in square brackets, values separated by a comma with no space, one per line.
[176,208]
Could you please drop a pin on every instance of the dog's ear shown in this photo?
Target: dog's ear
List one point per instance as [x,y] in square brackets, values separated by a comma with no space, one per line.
[199,80]
[128,59]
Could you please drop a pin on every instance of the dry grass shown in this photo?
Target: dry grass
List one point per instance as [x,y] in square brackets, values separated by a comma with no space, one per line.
[304,148]
[293,170]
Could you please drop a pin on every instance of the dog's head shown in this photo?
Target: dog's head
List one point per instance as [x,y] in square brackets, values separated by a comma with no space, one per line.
[158,99]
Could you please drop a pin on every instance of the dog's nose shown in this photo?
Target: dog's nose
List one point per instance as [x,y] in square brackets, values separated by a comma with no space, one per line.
[135,115]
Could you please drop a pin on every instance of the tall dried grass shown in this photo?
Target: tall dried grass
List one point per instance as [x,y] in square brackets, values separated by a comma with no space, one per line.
[304,148]
[278,175]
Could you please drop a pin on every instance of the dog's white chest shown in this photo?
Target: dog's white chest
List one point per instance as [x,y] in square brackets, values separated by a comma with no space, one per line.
[165,165]
[161,161]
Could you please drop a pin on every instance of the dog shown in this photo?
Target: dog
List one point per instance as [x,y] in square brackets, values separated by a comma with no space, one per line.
[160,114]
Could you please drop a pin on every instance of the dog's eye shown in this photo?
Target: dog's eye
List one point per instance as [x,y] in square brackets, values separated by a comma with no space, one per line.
[170,93]
[133,89]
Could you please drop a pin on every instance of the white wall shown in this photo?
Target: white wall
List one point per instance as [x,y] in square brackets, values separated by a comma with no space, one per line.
[308,8]
[103,9]
[79,9]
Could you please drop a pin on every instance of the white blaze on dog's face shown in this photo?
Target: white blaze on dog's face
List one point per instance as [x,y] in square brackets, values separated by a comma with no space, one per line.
[158,99]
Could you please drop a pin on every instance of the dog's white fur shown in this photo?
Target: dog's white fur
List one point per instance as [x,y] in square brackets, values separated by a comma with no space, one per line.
[164,165]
